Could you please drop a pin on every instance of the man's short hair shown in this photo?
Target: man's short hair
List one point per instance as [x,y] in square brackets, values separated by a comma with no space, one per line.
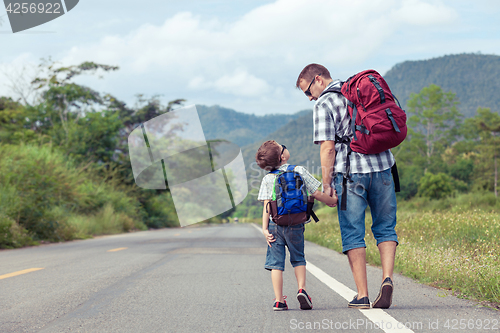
[310,71]
[268,155]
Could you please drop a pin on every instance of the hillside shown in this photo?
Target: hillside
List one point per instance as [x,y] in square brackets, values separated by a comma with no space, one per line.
[297,136]
[240,128]
[474,78]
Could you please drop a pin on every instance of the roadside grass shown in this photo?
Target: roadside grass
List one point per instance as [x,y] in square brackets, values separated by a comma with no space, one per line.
[456,250]
[45,196]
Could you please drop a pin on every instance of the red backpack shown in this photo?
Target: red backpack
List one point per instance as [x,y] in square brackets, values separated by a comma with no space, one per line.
[377,122]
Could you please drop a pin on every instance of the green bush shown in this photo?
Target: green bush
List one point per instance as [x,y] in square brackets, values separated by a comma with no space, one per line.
[161,211]
[435,186]
[41,188]
[12,235]
[104,222]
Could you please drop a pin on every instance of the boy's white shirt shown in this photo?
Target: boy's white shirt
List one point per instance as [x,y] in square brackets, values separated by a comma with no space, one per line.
[266,186]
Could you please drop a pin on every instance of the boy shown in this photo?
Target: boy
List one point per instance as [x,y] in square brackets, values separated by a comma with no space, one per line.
[270,156]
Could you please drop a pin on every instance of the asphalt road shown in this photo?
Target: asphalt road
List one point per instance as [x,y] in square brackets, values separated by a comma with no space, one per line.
[205,279]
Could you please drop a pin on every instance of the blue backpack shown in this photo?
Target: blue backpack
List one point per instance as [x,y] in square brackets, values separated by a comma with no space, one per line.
[290,202]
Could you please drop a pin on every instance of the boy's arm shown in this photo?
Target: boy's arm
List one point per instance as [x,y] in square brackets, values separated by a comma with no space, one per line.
[265,224]
[330,201]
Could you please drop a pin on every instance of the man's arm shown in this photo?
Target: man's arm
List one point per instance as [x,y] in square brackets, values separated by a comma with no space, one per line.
[327,154]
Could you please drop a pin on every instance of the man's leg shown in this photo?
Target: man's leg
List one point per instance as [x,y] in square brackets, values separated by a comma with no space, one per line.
[383,205]
[387,256]
[357,261]
[352,227]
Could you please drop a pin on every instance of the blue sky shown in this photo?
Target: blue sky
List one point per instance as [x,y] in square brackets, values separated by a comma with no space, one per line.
[245,55]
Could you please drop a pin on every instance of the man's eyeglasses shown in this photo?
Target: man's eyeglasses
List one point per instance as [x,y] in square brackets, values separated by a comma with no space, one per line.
[308,91]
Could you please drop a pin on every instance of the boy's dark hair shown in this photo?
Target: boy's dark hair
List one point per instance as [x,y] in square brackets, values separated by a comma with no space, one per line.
[268,155]
[311,71]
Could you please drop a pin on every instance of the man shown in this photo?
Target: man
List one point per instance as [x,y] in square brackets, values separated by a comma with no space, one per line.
[370,184]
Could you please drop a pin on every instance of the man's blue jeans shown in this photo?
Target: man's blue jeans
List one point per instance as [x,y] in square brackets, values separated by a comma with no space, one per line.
[375,190]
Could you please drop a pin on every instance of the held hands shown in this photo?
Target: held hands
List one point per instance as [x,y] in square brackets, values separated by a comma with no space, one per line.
[335,199]
[269,237]
[328,190]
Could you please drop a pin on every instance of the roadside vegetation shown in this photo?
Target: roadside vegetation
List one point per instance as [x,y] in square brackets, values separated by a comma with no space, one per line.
[65,172]
[454,248]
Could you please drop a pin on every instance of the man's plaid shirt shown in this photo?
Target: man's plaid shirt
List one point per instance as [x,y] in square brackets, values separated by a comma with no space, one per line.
[266,187]
[332,118]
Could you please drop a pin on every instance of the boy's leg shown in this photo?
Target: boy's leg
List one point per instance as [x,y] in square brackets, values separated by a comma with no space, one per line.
[275,260]
[295,242]
[277,277]
[300,274]
[294,237]
[302,296]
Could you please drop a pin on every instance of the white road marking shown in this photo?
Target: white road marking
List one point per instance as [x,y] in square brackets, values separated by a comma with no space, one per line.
[379,317]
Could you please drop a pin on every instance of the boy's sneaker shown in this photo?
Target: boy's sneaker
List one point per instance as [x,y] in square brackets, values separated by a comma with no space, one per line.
[304,300]
[362,303]
[278,306]
[384,298]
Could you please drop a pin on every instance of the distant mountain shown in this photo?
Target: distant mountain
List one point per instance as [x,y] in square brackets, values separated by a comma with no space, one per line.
[474,78]
[240,128]
[297,135]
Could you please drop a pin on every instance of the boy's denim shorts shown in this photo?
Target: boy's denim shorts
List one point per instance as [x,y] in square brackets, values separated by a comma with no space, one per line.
[293,238]
[367,189]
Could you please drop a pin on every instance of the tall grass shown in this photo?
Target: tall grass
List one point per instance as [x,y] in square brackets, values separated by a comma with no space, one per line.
[44,193]
[456,248]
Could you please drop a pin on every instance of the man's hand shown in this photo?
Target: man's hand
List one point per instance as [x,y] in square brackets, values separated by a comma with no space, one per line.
[328,190]
[269,237]
[334,195]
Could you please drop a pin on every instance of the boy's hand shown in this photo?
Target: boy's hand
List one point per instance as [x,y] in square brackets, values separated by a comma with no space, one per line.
[335,197]
[269,237]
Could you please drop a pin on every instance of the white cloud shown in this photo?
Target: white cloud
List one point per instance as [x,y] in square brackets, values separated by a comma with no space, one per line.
[331,30]
[248,57]
[420,13]
[241,83]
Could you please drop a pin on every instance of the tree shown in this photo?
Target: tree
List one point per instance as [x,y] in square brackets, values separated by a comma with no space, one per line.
[434,121]
[487,127]
[435,186]
[12,129]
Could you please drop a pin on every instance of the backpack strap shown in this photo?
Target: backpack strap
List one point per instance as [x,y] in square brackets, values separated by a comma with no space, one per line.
[374,81]
[313,215]
[395,176]
[331,89]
